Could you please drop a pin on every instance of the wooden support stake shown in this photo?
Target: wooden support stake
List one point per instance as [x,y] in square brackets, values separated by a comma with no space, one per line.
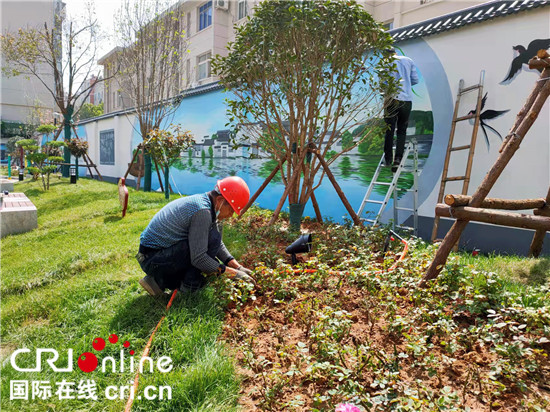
[88,166]
[493,203]
[261,189]
[495,217]
[158,173]
[538,239]
[138,148]
[526,107]
[94,166]
[343,198]
[316,208]
[488,182]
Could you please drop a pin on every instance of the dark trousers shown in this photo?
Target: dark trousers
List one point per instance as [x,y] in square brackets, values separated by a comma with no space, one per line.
[396,114]
[172,268]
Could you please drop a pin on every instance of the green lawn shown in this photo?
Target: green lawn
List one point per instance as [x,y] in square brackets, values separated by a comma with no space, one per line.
[75,278]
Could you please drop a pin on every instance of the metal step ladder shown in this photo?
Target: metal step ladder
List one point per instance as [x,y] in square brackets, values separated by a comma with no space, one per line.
[411,148]
[451,149]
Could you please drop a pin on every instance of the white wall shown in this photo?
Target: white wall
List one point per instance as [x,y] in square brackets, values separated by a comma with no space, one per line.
[463,53]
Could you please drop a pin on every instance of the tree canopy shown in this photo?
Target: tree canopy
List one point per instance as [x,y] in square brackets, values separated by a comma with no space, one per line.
[305,73]
[152,50]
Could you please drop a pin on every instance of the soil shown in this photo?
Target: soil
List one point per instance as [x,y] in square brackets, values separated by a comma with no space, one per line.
[272,329]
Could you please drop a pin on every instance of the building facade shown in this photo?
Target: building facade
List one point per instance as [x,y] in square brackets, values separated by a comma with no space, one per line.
[22,97]
[210,26]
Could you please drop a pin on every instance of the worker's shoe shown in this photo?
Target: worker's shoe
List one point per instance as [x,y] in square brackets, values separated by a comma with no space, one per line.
[395,165]
[150,285]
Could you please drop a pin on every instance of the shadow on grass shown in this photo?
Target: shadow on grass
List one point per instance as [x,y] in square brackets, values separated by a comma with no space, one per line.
[71,201]
[112,218]
[139,316]
[34,193]
[539,273]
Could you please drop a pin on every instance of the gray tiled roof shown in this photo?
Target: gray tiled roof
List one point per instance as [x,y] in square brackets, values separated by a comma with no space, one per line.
[202,89]
[482,12]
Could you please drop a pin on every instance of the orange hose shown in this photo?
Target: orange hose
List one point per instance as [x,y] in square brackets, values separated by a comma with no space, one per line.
[146,353]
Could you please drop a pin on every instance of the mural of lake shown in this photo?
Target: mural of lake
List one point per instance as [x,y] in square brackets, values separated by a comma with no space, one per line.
[354,173]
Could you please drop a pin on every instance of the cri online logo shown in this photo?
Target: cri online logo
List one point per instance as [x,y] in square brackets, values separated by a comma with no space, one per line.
[88,362]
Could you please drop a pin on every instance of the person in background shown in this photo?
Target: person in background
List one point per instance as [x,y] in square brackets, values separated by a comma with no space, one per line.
[398,109]
[184,240]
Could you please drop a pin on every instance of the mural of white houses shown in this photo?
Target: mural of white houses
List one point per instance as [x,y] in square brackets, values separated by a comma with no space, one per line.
[446,49]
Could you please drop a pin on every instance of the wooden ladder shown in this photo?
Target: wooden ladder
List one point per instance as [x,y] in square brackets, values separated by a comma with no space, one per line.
[450,148]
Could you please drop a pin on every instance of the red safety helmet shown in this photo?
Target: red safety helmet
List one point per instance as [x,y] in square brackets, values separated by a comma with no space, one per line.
[235,191]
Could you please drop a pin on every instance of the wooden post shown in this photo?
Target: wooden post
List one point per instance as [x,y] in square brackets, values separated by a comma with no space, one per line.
[538,239]
[88,166]
[488,182]
[94,166]
[493,203]
[316,208]
[158,173]
[533,64]
[494,217]
[343,198]
[261,189]
[132,162]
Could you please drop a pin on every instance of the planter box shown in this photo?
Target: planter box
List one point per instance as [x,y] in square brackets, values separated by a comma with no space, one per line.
[17,215]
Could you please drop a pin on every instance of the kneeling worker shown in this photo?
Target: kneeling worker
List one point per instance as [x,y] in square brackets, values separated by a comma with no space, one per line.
[183,240]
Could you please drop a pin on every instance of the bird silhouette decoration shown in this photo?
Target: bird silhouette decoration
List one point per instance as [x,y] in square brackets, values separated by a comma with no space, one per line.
[487,115]
[523,57]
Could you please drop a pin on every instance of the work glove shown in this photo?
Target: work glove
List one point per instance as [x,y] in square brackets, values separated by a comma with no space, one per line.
[243,276]
[245,270]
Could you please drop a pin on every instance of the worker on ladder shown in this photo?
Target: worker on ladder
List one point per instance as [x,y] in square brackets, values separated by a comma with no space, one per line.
[398,108]
[184,240]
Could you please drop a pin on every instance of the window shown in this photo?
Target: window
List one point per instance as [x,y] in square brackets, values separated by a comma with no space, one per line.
[203,66]
[242,10]
[388,25]
[188,72]
[188,28]
[107,147]
[205,15]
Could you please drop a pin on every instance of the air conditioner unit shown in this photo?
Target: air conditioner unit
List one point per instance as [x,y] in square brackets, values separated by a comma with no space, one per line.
[222,4]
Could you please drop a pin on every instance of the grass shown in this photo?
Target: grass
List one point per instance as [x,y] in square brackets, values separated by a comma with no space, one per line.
[74,278]
[517,270]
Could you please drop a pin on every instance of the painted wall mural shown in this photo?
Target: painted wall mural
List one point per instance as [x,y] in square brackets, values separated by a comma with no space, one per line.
[442,60]
[214,156]
[521,61]
[486,115]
